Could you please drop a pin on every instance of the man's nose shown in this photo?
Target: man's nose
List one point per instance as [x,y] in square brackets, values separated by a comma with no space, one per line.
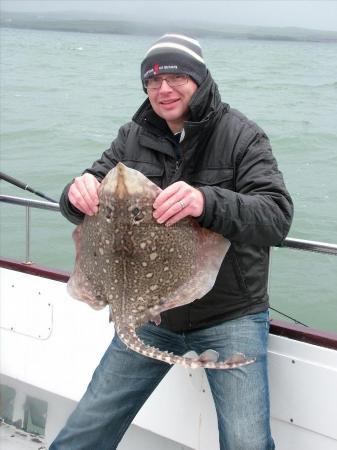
[165,86]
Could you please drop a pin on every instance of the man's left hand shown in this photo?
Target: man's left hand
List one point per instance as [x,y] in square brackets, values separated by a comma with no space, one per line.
[177,201]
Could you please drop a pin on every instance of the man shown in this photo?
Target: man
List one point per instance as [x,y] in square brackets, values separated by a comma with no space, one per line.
[217,166]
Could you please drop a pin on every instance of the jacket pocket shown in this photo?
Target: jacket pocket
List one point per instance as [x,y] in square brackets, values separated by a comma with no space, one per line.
[222,177]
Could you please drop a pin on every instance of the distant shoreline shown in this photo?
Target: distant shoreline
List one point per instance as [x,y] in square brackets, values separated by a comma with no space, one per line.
[96,26]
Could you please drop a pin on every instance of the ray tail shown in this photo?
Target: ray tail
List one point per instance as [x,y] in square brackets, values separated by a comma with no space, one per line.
[127,334]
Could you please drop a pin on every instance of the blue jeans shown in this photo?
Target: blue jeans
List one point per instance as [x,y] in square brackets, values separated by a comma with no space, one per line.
[124,380]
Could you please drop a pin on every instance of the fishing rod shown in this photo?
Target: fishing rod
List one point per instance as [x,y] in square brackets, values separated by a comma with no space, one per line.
[24,186]
[289,317]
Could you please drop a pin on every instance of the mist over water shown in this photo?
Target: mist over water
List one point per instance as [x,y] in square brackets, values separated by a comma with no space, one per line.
[64,96]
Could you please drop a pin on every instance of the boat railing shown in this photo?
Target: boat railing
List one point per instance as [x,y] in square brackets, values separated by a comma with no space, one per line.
[294,331]
[292,243]
[29,204]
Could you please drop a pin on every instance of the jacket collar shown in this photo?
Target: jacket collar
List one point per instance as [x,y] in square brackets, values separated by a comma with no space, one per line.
[205,102]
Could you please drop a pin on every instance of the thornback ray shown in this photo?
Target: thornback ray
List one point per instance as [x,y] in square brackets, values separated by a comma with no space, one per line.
[140,268]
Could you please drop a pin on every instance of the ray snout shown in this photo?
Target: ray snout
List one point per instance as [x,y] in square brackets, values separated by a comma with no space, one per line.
[127,182]
[122,181]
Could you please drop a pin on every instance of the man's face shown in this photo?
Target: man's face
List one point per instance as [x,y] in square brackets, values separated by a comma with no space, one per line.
[171,103]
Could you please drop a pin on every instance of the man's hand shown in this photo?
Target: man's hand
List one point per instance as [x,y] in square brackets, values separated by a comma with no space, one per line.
[177,201]
[83,194]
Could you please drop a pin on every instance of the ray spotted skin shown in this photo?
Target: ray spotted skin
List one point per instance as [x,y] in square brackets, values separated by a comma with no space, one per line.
[126,260]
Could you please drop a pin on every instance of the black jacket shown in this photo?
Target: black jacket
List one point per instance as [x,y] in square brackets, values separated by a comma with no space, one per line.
[229,159]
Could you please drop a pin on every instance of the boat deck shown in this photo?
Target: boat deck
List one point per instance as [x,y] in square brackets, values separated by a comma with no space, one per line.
[13,439]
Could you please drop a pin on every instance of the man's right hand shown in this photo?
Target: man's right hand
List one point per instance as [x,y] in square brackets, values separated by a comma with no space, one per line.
[83,194]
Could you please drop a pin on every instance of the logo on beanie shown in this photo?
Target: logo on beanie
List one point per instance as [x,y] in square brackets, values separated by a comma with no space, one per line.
[156,68]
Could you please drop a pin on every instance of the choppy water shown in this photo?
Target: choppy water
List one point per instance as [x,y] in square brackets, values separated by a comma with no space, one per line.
[64,96]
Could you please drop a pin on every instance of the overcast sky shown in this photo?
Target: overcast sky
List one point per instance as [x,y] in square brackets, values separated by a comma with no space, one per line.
[319,14]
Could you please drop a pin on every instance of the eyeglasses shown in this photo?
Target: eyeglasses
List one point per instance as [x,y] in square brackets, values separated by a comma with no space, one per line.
[172,80]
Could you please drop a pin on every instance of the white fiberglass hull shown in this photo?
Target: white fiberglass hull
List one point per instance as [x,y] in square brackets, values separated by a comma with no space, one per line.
[50,345]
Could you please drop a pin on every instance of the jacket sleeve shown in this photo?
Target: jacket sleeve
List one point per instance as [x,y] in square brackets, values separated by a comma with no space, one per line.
[259,210]
[99,169]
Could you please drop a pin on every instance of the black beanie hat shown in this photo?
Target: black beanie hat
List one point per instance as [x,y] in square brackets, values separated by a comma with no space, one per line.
[174,53]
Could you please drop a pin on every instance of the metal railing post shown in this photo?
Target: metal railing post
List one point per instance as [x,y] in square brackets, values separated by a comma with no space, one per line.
[28,261]
[29,204]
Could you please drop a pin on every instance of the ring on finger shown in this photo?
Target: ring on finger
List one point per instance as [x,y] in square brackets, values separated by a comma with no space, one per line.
[182,204]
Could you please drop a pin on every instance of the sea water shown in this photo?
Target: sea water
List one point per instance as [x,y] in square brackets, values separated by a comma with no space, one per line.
[64,95]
